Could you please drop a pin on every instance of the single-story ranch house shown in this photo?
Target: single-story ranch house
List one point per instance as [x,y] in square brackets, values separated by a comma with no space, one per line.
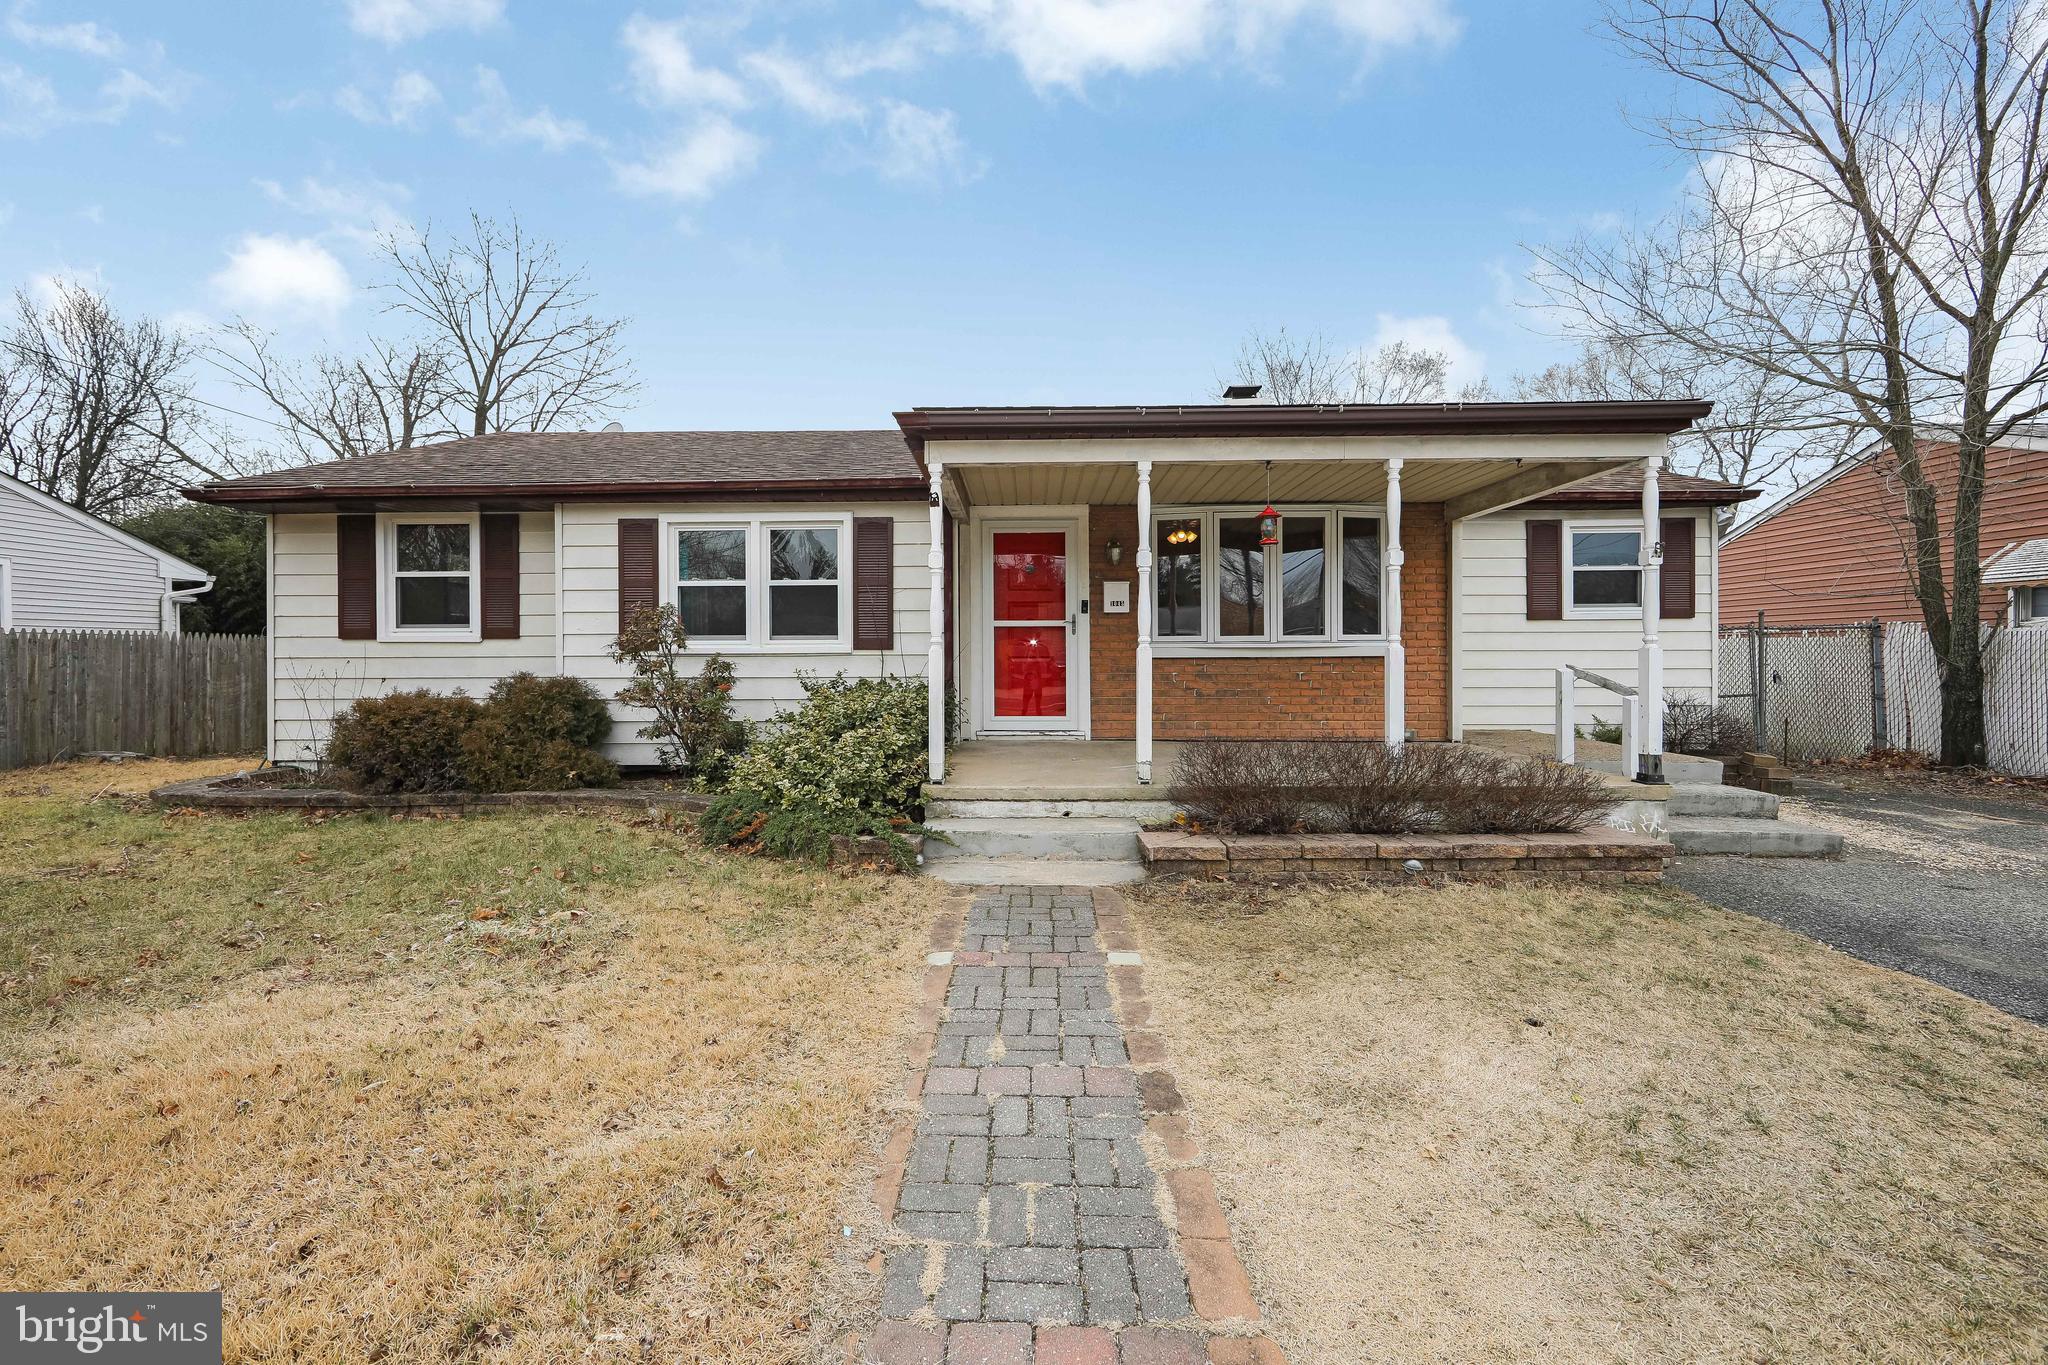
[1110,573]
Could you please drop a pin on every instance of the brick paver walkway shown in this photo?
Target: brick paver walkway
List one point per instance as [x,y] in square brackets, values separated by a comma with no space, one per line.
[1033,1224]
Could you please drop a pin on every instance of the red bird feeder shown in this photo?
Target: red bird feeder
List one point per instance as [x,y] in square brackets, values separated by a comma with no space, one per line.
[1269,526]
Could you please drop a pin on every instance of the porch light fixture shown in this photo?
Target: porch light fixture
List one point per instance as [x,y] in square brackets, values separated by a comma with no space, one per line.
[1115,550]
[1182,535]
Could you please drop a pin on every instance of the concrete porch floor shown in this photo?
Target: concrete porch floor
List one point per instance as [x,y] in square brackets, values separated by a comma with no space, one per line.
[1052,769]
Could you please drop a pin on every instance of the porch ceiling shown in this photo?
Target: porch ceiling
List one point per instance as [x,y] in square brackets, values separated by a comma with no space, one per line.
[1355,481]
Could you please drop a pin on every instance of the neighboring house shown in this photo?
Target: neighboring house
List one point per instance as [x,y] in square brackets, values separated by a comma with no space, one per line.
[2020,573]
[1838,549]
[63,569]
[1098,573]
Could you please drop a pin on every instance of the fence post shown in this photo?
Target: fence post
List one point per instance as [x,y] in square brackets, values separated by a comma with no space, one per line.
[1757,710]
[1880,723]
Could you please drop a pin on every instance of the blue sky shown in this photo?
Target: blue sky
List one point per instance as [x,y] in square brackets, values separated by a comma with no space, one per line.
[817,212]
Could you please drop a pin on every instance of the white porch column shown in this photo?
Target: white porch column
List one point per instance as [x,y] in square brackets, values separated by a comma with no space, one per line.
[1650,660]
[1396,688]
[1143,606]
[935,665]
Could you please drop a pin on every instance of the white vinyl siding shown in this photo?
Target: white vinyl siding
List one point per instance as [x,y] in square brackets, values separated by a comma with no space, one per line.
[765,680]
[69,574]
[1504,665]
[317,674]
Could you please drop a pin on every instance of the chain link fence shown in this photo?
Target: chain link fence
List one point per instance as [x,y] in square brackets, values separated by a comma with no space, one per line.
[1816,692]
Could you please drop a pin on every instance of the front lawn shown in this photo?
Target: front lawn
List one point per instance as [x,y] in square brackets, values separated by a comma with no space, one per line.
[1574,1124]
[516,1088]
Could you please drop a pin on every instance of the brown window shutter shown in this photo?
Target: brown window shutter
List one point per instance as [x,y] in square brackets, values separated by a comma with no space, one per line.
[639,558]
[1544,569]
[1675,585]
[874,582]
[355,577]
[501,575]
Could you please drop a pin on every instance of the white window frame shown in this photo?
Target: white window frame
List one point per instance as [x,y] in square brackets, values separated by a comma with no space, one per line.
[2023,605]
[1572,610]
[1213,643]
[757,525]
[387,577]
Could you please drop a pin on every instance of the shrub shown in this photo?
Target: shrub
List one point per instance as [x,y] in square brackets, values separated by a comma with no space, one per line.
[404,742]
[744,820]
[538,734]
[1248,788]
[693,727]
[854,746]
[1363,788]
[1695,724]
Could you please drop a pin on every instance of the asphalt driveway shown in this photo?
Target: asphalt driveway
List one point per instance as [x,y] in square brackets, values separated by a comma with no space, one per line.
[1948,885]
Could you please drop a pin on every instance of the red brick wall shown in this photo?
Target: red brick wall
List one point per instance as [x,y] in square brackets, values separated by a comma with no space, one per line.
[1302,697]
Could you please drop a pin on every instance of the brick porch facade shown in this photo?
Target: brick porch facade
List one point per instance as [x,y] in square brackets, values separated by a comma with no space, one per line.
[1273,698]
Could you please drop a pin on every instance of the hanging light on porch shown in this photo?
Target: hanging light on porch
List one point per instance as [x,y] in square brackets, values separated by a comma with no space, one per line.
[1269,520]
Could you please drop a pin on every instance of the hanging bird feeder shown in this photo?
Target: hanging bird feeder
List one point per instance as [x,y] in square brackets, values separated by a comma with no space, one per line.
[1269,520]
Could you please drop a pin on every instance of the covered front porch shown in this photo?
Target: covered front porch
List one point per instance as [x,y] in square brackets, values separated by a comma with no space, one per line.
[1140,577]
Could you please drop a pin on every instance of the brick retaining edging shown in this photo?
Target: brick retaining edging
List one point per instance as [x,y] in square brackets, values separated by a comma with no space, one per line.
[1598,855]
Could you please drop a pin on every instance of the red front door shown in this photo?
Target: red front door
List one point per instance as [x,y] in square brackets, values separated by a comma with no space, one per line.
[1029,655]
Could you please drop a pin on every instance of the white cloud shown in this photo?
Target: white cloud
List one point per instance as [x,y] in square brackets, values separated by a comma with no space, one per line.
[409,95]
[496,119]
[125,89]
[905,50]
[801,87]
[922,145]
[400,21]
[274,274]
[28,102]
[695,165]
[357,210]
[1433,334]
[664,71]
[1065,42]
[85,38]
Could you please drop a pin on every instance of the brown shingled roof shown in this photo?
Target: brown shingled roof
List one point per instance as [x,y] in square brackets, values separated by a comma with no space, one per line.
[1625,485]
[598,463]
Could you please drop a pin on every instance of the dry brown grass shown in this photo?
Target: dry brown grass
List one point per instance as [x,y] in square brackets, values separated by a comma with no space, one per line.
[1573,1124]
[521,1088]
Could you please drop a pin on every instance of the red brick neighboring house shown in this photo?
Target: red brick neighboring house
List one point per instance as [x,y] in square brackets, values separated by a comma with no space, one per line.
[1836,551]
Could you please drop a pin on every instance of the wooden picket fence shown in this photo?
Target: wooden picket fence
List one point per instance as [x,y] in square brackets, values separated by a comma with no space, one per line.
[65,693]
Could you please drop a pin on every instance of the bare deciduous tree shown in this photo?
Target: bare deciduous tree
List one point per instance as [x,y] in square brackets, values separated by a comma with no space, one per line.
[524,350]
[335,407]
[1764,430]
[1310,370]
[95,410]
[1865,222]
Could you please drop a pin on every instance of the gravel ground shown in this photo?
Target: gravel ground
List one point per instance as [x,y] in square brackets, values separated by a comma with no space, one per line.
[1949,886]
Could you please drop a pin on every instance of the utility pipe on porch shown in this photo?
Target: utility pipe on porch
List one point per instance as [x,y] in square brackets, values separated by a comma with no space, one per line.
[1396,687]
[1650,660]
[935,664]
[1143,606]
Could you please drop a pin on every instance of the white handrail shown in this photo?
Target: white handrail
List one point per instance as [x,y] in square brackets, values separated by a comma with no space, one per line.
[1568,678]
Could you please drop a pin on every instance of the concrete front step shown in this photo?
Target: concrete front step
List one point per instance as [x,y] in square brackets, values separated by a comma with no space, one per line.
[1686,768]
[1689,798]
[1749,836]
[1071,838]
[943,808]
[1033,871]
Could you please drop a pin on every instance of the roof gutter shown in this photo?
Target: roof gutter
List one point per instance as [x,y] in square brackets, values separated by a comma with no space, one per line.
[1659,417]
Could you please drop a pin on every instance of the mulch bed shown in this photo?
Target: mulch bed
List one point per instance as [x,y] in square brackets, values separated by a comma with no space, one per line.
[293,789]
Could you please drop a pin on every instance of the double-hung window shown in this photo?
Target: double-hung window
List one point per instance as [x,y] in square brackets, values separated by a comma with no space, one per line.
[1217,580]
[430,579]
[762,582]
[1606,577]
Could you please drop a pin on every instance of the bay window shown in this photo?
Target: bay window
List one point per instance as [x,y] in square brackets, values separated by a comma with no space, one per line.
[1606,577]
[761,582]
[1216,580]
